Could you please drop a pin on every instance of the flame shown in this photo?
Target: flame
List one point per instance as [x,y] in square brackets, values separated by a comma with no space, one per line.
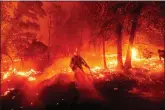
[97,71]
[16,60]
[31,79]
[15,72]
[6,75]
[134,53]
[8,91]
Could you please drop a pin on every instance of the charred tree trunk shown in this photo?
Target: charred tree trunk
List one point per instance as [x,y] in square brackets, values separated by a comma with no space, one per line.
[129,50]
[119,46]
[104,58]
[136,13]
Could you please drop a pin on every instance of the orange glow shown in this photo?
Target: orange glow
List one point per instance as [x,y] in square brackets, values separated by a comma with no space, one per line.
[8,91]
[61,67]
[26,68]
[31,79]
[14,71]
[134,54]
[6,75]
[96,69]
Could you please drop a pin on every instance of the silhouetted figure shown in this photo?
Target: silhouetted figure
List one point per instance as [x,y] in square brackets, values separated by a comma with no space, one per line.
[77,61]
[161,54]
[83,82]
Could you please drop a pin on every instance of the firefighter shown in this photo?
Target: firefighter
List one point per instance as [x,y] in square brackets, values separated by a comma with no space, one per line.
[80,81]
[77,61]
[84,83]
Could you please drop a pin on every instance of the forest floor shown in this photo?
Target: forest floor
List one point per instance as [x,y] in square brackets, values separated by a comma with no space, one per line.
[136,89]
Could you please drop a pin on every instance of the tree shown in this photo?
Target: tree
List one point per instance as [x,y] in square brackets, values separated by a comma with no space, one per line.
[152,23]
[119,14]
[95,17]
[119,45]
[146,18]
[115,16]
[108,17]
[67,26]
[21,25]
[136,14]
[5,25]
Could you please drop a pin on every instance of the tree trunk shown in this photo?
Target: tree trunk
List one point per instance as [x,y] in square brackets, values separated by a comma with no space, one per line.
[119,46]
[104,58]
[132,36]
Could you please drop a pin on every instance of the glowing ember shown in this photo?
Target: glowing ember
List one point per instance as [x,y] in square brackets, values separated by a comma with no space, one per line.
[16,60]
[96,69]
[6,75]
[31,103]
[31,79]
[13,97]
[112,64]
[101,75]
[8,91]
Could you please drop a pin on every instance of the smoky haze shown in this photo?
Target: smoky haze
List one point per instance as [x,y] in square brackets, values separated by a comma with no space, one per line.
[71,29]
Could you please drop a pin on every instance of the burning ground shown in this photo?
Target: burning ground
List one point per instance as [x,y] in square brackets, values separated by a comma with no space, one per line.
[123,43]
[143,84]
